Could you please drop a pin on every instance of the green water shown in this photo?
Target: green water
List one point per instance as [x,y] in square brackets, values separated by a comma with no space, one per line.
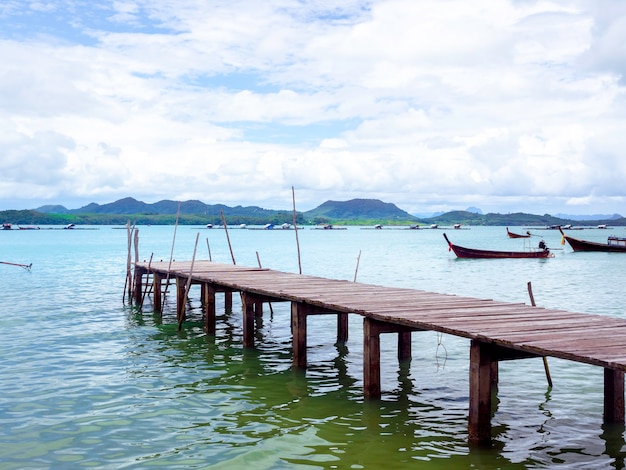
[89,382]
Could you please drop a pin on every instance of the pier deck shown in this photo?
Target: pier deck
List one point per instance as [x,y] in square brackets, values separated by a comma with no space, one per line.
[498,330]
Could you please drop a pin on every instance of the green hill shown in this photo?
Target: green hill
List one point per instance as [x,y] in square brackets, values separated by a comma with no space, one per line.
[369,210]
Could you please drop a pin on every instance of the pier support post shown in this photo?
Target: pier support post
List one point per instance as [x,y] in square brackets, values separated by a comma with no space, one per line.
[613,396]
[208,293]
[157,279]
[480,381]
[371,358]
[138,284]
[299,312]
[342,327]
[249,302]
[404,345]
[228,301]
[180,299]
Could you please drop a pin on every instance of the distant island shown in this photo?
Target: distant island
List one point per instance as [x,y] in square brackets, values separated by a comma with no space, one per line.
[352,212]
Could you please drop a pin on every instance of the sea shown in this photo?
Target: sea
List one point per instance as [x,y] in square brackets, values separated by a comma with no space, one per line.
[89,380]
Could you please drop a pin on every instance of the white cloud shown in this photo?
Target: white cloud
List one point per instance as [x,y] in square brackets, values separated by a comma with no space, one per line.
[431,105]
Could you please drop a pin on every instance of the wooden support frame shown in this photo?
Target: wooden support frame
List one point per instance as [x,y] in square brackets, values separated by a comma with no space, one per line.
[372,330]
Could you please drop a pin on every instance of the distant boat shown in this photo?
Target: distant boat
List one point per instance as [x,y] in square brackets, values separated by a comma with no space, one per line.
[602,226]
[462,252]
[69,226]
[209,225]
[457,226]
[614,244]
[6,226]
[517,235]
[378,226]
[434,226]
[27,227]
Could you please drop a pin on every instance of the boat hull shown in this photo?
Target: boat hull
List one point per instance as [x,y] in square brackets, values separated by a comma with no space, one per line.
[584,245]
[463,252]
[517,235]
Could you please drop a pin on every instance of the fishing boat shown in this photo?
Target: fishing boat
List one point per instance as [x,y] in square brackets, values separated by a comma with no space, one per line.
[614,244]
[463,252]
[6,226]
[517,235]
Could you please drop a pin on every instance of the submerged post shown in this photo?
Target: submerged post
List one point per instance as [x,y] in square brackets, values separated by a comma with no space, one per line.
[479,423]
[613,396]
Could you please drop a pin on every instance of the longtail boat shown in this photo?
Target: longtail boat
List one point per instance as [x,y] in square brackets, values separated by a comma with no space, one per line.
[462,252]
[517,235]
[614,244]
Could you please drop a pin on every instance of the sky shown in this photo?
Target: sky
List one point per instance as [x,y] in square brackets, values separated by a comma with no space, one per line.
[432,105]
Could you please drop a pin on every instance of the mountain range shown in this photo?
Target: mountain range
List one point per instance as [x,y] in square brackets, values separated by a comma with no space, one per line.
[355,211]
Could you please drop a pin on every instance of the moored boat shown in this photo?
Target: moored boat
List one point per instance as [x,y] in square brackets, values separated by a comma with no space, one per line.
[463,252]
[614,244]
[517,235]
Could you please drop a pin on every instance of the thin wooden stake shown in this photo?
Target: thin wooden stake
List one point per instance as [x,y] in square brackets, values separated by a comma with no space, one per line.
[169,266]
[545,359]
[209,248]
[259,261]
[227,237]
[188,285]
[295,226]
[356,270]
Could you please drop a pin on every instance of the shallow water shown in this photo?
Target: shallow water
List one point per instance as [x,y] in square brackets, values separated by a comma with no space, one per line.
[88,381]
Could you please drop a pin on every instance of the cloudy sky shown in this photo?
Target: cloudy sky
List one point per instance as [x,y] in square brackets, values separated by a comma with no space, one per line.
[433,105]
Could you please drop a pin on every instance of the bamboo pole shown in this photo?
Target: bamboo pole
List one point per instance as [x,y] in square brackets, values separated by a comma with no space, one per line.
[545,359]
[295,226]
[136,246]
[169,266]
[356,270]
[259,261]
[188,285]
[230,247]
[128,285]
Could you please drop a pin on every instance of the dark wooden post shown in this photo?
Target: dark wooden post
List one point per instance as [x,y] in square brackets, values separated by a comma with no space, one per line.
[613,396]
[208,293]
[180,299]
[258,308]
[228,301]
[138,284]
[404,345]
[342,327]
[480,381]
[371,358]
[299,313]
[248,319]
[156,289]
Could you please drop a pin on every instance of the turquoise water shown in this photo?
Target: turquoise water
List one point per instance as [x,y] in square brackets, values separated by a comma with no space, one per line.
[88,381]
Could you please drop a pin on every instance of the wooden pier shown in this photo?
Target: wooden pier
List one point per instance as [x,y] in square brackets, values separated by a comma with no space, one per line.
[498,331]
